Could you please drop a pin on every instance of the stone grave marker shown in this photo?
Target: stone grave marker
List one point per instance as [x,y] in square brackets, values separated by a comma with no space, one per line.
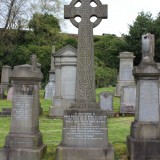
[128,100]
[50,90]
[125,77]
[84,125]
[10,94]
[106,102]
[2,92]
[6,71]
[24,141]
[144,141]
[65,74]
[50,87]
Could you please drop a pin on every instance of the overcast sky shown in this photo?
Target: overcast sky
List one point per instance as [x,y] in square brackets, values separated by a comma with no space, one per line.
[120,14]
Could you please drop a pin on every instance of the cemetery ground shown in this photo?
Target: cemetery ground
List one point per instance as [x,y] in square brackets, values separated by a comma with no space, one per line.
[118,127]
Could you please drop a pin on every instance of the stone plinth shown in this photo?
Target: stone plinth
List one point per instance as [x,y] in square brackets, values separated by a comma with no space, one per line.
[24,141]
[65,73]
[85,136]
[125,77]
[143,143]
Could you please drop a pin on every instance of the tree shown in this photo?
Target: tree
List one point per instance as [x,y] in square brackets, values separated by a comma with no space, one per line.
[16,13]
[107,49]
[143,24]
[13,13]
[45,27]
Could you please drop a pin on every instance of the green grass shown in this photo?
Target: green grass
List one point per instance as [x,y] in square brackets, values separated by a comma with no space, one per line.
[118,128]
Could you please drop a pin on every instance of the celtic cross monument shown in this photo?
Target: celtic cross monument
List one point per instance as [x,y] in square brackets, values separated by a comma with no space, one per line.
[85,82]
[85,135]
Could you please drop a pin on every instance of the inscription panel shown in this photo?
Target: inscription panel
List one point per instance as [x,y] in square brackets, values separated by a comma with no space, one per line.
[149,101]
[23,100]
[85,129]
[22,106]
[126,71]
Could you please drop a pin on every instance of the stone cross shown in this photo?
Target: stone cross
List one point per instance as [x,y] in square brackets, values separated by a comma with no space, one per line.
[85,81]
[148,45]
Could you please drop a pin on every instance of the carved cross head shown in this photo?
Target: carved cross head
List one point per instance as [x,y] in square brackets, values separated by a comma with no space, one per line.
[85,11]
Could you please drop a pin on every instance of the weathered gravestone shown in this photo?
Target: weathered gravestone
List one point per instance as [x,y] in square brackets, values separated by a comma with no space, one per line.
[50,90]
[85,134]
[10,94]
[128,100]
[65,73]
[2,92]
[125,77]
[106,102]
[50,87]
[24,141]
[6,71]
[144,140]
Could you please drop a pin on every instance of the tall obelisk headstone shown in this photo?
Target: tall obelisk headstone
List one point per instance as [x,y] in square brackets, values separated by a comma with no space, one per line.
[85,133]
[144,140]
[24,141]
[50,87]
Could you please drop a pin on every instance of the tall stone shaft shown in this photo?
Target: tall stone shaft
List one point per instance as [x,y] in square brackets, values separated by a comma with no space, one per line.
[85,79]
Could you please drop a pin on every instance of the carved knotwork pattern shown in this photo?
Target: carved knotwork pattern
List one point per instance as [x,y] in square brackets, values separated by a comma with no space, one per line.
[85,82]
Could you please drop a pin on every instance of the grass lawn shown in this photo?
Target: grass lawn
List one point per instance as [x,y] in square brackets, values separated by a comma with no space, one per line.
[118,128]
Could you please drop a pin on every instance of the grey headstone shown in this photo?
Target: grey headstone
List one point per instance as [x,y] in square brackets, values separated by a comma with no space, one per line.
[125,77]
[10,94]
[128,100]
[2,91]
[65,78]
[144,141]
[106,101]
[50,90]
[24,140]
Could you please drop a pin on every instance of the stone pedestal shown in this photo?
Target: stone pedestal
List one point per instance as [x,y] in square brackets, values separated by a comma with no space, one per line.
[85,136]
[125,77]
[24,141]
[143,143]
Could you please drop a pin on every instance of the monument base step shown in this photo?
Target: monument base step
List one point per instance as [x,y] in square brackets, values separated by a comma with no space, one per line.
[23,153]
[70,153]
[142,149]
[56,111]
